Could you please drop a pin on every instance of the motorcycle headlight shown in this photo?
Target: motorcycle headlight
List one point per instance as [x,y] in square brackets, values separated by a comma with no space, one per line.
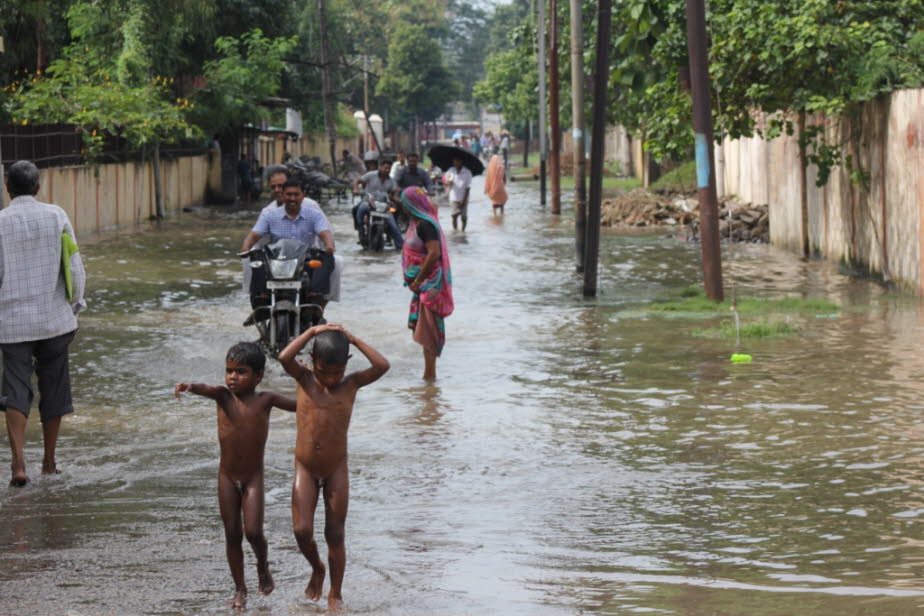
[283,268]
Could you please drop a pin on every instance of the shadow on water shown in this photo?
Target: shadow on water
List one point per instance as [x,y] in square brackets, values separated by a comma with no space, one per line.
[574,456]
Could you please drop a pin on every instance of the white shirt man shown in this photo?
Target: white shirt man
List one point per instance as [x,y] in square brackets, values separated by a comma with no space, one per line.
[459,182]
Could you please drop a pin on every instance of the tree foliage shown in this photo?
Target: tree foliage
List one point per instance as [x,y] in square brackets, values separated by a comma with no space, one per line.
[236,83]
[415,80]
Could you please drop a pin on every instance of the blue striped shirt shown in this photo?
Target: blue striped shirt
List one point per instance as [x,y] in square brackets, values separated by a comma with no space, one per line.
[305,228]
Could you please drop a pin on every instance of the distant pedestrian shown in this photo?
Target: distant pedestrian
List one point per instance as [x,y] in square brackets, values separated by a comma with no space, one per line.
[398,166]
[41,291]
[459,182]
[495,184]
[245,178]
[505,148]
[476,146]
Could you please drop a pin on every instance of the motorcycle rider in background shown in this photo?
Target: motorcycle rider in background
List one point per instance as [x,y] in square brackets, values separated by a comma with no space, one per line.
[378,185]
[412,175]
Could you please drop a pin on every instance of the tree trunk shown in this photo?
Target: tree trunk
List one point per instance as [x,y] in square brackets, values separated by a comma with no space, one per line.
[158,193]
[803,185]
[554,128]
[526,145]
[329,120]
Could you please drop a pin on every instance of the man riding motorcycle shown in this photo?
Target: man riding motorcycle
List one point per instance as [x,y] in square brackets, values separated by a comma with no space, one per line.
[379,186]
[298,221]
[413,175]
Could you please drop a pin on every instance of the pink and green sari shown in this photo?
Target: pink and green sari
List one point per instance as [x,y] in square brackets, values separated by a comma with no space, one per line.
[434,301]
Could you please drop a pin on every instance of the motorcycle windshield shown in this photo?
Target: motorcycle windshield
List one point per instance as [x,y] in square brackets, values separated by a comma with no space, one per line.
[286,249]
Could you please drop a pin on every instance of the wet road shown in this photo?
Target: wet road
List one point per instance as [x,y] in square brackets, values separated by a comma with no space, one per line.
[574,457]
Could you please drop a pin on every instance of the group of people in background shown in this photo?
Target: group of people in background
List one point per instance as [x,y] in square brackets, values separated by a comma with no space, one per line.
[484,146]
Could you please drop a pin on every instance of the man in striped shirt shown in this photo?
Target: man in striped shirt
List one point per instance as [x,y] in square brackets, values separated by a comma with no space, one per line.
[40,296]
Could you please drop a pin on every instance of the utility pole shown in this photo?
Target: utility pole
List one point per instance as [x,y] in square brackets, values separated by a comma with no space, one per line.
[540,35]
[329,121]
[601,79]
[702,135]
[555,159]
[577,130]
[375,138]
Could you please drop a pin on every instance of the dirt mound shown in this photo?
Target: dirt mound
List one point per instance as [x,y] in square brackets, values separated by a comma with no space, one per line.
[639,208]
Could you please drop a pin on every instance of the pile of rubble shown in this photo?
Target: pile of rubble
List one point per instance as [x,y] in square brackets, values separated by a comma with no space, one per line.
[640,208]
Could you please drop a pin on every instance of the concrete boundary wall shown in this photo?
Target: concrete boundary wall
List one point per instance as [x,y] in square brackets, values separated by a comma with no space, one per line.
[879,225]
[122,194]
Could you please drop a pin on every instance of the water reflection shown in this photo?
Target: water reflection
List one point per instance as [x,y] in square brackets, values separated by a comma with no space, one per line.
[573,457]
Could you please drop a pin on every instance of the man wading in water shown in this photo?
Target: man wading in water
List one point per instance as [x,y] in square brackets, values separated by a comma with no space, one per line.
[41,291]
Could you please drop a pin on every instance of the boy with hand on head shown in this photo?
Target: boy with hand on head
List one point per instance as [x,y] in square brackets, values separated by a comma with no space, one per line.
[325,404]
[243,425]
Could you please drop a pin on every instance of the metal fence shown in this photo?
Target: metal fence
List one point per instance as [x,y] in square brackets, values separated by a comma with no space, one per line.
[59,145]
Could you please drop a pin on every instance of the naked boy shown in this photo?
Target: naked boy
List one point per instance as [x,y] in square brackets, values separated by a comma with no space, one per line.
[325,404]
[243,425]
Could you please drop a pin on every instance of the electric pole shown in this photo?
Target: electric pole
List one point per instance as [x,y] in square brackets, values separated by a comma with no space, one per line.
[577,129]
[702,138]
[554,128]
[542,148]
[329,120]
[601,79]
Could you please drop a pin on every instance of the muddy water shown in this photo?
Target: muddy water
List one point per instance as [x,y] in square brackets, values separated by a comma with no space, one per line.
[573,457]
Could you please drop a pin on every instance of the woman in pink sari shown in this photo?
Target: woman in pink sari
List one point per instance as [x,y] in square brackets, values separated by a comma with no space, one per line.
[427,274]
[494,184]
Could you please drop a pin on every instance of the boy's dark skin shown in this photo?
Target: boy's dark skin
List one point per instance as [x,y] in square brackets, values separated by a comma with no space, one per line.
[243,425]
[325,404]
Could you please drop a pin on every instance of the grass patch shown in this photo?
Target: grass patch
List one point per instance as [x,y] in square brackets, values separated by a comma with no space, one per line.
[692,299]
[681,180]
[767,328]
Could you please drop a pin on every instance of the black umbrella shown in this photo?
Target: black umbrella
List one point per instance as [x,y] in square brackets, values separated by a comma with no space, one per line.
[443,155]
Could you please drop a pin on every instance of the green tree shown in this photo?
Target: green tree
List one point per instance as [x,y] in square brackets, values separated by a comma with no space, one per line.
[415,82]
[247,71]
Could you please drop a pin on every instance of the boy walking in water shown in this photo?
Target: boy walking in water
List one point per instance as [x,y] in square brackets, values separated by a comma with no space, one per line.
[243,424]
[325,403]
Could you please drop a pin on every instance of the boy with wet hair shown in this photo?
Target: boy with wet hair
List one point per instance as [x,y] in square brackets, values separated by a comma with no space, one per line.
[243,425]
[324,407]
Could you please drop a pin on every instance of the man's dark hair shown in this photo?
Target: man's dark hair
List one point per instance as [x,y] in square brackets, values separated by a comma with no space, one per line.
[414,154]
[331,347]
[249,354]
[291,181]
[22,178]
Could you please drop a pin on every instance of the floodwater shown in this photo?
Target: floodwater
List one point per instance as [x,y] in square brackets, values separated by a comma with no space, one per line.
[574,457]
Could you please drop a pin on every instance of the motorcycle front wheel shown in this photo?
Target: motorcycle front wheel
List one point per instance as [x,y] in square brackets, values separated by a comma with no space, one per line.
[377,240]
[283,332]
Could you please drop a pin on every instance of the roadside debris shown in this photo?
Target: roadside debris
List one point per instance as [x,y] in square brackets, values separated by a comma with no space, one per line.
[738,222]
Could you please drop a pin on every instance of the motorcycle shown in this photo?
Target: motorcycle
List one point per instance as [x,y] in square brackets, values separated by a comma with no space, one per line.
[287,265]
[308,171]
[373,228]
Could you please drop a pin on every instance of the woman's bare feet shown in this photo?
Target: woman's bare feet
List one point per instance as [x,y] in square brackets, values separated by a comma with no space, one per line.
[266,580]
[315,585]
[50,468]
[240,599]
[334,604]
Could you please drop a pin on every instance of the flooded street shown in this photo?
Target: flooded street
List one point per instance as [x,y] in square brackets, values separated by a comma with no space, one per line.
[574,457]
